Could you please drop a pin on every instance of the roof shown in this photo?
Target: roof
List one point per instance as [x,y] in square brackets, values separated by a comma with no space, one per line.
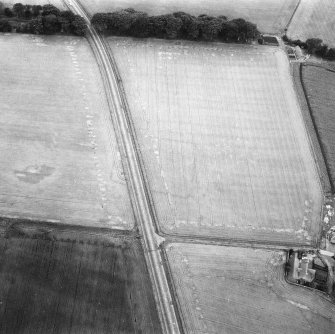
[270,40]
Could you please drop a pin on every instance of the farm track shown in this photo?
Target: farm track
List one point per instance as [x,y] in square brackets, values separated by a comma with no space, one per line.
[291,18]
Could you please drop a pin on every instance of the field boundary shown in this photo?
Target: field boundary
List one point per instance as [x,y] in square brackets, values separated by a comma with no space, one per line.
[312,132]
[239,242]
[310,109]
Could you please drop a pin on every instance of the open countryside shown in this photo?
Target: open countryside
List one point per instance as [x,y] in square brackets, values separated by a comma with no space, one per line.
[167,167]
[222,138]
[65,165]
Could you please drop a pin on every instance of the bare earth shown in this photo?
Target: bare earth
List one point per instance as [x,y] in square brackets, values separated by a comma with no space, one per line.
[270,15]
[222,138]
[85,287]
[314,18]
[59,156]
[239,290]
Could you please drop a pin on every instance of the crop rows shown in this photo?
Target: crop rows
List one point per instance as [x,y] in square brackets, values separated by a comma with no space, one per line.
[240,290]
[222,138]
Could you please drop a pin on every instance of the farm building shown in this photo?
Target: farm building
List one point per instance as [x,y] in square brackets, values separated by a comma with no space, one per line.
[290,52]
[309,269]
[269,40]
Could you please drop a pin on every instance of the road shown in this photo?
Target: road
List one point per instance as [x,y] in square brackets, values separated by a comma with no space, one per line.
[137,184]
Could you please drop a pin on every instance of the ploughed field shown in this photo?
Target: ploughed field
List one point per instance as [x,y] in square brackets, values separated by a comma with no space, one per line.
[320,88]
[56,282]
[314,19]
[241,290]
[59,155]
[271,16]
[224,145]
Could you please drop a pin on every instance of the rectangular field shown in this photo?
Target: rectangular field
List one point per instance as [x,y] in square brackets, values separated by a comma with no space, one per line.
[59,154]
[271,16]
[314,18]
[320,88]
[222,138]
[239,290]
[71,286]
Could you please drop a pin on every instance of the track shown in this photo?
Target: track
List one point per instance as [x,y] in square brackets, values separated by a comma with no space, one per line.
[143,210]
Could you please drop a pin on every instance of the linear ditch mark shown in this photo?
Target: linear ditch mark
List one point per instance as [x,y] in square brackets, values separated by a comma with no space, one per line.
[92,134]
[317,133]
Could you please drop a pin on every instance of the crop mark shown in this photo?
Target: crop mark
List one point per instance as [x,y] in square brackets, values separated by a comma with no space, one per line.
[34,173]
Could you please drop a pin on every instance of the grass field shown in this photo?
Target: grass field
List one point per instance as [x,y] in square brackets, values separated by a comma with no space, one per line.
[320,88]
[314,18]
[239,290]
[59,155]
[270,15]
[222,138]
[54,286]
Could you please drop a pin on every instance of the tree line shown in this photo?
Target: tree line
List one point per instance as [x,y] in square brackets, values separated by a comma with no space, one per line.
[36,19]
[314,46]
[179,25]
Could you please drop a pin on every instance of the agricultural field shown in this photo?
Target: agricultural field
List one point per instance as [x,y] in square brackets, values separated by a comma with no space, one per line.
[314,18]
[222,138]
[59,156]
[239,290]
[69,286]
[271,16]
[319,83]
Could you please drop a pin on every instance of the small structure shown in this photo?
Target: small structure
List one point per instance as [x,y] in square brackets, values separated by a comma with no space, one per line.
[309,269]
[268,40]
[290,52]
[303,268]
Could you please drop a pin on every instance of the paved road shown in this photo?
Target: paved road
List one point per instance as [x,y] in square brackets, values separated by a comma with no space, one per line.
[137,184]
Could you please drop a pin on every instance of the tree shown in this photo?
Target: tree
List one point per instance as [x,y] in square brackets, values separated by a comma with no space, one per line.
[78,26]
[5,26]
[36,26]
[321,51]
[165,26]
[2,8]
[99,21]
[68,15]
[140,27]
[36,9]
[209,27]
[8,12]
[27,13]
[121,21]
[173,26]
[190,26]
[230,32]
[50,9]
[18,9]
[51,25]
[313,44]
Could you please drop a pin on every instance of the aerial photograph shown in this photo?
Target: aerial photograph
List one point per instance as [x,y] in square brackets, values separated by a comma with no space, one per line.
[167,167]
